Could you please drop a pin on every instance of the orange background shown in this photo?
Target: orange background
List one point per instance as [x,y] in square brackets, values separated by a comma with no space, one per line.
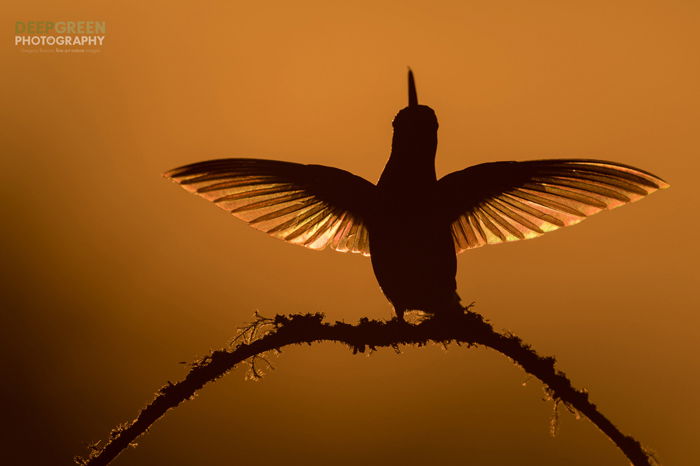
[113,275]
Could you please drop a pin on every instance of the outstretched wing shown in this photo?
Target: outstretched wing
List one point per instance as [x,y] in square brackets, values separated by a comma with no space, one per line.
[507,201]
[309,205]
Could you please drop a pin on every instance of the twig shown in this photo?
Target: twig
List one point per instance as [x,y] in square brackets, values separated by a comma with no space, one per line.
[469,328]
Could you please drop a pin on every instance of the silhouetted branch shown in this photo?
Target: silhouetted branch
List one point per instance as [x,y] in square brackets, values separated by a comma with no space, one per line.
[469,328]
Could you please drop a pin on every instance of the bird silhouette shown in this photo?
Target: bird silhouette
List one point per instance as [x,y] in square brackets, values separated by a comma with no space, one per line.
[410,223]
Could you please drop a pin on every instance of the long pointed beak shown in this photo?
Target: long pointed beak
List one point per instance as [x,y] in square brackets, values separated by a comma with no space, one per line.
[412,95]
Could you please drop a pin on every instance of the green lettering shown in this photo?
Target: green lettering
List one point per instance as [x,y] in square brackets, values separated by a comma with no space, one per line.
[20,27]
[100,27]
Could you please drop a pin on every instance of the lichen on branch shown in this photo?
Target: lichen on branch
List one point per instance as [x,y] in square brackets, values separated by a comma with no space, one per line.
[265,335]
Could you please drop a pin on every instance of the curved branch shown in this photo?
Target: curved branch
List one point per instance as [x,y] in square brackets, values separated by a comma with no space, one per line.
[469,328]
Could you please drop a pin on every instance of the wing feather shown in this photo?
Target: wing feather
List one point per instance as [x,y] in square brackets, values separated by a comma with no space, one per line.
[508,201]
[309,205]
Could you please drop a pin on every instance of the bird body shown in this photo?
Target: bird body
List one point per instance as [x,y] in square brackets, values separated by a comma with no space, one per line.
[416,270]
[410,223]
[410,241]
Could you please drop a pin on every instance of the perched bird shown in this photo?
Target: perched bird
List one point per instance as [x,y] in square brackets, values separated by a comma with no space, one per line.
[410,223]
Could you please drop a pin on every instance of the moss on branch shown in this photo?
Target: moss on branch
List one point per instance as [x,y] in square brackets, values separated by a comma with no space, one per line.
[272,334]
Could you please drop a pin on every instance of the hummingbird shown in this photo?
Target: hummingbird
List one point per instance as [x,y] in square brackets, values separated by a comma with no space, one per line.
[412,224]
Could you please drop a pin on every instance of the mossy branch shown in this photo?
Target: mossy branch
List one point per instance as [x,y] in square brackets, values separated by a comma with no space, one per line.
[469,328]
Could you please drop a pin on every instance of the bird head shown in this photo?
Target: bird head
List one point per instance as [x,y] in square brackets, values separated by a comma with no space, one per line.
[415,127]
[415,117]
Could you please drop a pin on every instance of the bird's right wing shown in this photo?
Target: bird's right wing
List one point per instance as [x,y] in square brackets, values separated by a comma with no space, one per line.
[497,202]
[309,205]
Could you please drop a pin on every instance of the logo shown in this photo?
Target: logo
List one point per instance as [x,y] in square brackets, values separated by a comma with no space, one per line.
[60,36]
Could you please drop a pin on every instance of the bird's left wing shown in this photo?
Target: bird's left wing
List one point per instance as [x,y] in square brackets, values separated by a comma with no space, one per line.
[309,205]
[506,201]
